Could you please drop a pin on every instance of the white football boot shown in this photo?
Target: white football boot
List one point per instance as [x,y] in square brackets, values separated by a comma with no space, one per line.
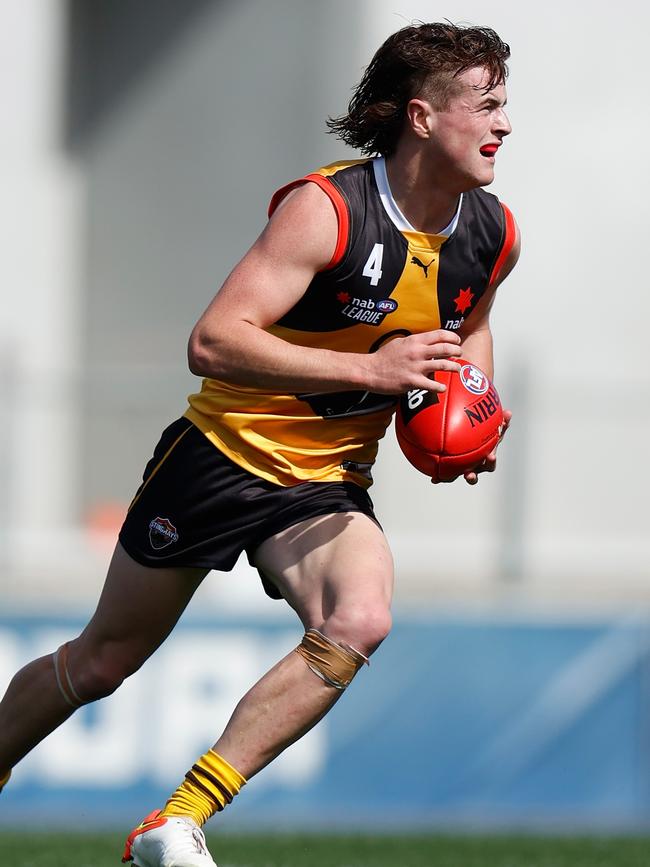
[172,841]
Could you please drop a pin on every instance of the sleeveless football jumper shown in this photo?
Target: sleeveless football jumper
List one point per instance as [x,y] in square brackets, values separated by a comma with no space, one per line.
[384,280]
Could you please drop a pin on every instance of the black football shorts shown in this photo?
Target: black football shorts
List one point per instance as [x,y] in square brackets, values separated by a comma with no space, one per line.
[197,508]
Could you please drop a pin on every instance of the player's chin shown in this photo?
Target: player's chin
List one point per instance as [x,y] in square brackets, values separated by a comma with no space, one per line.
[484,174]
[478,178]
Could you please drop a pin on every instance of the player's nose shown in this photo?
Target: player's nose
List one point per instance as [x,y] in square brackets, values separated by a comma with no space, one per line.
[502,125]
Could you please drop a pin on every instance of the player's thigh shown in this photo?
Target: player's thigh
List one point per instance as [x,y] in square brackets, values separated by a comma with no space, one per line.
[137,609]
[332,562]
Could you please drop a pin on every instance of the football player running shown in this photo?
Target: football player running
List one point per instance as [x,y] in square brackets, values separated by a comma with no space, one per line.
[369,277]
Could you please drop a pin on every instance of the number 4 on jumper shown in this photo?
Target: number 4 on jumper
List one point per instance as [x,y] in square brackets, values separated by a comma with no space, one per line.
[372,268]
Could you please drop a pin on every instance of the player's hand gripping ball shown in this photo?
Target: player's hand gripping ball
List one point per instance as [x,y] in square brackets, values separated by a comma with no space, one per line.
[445,434]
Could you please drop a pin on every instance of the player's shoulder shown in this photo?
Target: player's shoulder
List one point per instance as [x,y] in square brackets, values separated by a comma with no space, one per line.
[488,225]
[347,167]
[486,204]
[346,173]
[335,180]
[326,200]
[488,211]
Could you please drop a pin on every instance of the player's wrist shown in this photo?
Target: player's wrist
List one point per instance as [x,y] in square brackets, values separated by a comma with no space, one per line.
[368,374]
[348,370]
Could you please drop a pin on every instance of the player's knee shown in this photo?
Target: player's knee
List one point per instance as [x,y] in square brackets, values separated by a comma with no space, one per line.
[363,627]
[98,673]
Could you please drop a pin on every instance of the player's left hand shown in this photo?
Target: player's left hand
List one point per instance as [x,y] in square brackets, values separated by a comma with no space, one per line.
[489,464]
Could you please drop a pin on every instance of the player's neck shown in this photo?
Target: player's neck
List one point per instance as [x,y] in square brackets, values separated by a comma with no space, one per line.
[425,204]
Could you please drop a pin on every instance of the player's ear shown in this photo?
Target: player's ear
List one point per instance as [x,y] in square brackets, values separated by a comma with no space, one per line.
[419,117]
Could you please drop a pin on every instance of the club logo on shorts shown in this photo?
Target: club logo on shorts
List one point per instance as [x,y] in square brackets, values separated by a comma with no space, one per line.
[474,380]
[162,533]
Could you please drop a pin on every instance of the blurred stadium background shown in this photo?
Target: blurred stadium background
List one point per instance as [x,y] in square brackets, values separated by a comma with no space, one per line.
[141,143]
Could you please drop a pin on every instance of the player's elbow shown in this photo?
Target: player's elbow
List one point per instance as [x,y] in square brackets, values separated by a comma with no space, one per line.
[205,355]
[197,357]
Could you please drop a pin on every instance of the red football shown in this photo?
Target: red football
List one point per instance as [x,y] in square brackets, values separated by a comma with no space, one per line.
[448,433]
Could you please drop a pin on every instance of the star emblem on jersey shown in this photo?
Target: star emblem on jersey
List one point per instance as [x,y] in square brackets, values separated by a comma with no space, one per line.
[343,297]
[464,300]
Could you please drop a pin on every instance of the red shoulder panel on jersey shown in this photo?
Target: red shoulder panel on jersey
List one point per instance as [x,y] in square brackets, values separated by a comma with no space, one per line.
[340,206]
[509,239]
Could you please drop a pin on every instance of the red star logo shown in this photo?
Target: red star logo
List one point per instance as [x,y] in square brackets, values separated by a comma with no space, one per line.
[343,297]
[464,300]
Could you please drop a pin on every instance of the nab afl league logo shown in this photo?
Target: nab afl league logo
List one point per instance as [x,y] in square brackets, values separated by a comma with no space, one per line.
[162,533]
[474,380]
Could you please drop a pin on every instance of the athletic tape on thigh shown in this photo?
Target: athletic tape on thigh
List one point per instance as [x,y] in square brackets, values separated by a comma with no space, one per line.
[63,677]
[336,664]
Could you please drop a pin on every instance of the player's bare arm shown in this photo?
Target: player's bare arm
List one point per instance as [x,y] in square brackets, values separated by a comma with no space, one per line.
[476,335]
[477,347]
[229,341]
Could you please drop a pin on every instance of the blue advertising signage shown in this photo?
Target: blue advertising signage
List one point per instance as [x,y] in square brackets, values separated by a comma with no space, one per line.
[456,722]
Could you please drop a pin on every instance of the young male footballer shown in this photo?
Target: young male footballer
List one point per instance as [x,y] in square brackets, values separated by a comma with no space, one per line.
[369,276]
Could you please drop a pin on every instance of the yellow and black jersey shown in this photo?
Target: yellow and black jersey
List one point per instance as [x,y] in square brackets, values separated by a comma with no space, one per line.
[384,280]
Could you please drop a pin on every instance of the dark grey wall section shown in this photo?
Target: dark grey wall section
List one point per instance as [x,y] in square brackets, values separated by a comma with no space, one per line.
[181,161]
[109,46]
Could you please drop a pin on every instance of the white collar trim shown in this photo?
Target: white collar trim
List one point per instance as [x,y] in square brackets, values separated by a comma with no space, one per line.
[391,207]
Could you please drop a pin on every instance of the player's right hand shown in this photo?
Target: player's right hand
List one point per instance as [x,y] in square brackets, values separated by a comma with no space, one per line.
[405,363]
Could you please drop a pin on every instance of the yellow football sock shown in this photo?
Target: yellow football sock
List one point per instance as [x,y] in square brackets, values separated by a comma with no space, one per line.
[4,780]
[208,787]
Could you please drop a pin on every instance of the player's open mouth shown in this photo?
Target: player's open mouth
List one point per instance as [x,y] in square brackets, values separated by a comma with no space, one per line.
[489,150]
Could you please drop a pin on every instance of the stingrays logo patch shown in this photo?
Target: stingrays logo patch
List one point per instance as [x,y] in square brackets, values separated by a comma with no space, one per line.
[162,533]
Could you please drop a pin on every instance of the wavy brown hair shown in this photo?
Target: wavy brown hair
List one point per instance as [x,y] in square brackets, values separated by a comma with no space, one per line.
[421,59]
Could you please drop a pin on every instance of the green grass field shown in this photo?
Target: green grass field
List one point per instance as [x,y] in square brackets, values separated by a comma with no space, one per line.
[63,850]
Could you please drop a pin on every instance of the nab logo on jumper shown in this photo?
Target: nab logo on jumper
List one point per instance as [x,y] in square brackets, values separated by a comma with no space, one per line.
[366,310]
[162,533]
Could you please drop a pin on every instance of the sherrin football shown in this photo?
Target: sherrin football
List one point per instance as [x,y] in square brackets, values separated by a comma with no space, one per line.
[445,434]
